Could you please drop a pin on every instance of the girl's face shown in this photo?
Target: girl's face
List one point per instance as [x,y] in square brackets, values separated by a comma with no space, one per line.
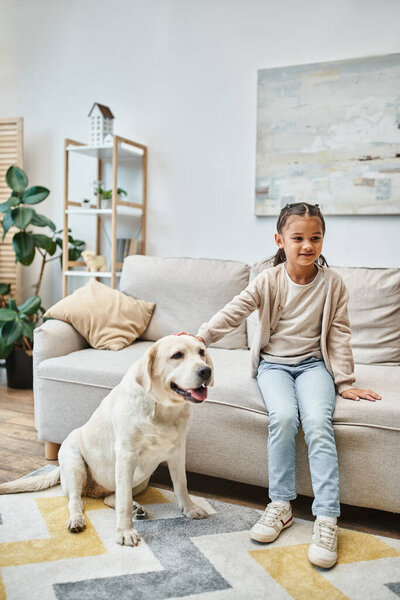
[301,239]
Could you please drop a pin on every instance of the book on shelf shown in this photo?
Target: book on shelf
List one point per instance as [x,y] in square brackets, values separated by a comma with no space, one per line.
[126,247]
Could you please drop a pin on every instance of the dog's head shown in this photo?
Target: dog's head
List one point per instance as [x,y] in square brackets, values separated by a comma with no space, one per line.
[88,254]
[176,369]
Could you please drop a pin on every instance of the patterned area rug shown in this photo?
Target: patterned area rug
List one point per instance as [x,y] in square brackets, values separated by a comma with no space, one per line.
[211,559]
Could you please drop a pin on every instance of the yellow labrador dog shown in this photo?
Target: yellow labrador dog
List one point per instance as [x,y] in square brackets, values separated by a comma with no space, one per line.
[142,422]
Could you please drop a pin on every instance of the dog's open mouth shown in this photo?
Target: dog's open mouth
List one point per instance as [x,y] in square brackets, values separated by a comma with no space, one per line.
[193,394]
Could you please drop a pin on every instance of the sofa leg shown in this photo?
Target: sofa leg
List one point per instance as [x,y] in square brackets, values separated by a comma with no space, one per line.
[51,450]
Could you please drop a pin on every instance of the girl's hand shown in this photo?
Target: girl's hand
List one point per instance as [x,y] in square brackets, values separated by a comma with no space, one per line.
[185,333]
[356,394]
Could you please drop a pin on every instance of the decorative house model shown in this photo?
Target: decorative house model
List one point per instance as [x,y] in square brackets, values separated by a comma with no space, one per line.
[101,124]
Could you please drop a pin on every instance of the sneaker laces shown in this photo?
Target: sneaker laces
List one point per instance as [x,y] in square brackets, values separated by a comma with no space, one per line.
[271,514]
[326,534]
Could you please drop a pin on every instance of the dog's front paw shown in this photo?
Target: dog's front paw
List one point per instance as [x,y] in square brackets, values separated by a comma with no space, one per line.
[127,537]
[195,512]
[76,524]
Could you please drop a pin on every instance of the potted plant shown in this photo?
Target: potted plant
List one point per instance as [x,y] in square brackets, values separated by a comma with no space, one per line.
[16,337]
[18,322]
[106,195]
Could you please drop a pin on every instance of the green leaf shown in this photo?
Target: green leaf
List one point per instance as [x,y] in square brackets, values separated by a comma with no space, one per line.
[31,305]
[35,195]
[53,248]
[7,223]
[24,247]
[22,216]
[12,305]
[45,242]
[5,349]
[11,331]
[79,243]
[41,221]
[16,179]
[11,202]
[27,328]
[73,254]
[14,200]
[5,288]
[7,314]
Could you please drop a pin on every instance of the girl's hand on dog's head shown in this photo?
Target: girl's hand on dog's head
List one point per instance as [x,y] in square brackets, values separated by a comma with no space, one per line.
[195,336]
[356,394]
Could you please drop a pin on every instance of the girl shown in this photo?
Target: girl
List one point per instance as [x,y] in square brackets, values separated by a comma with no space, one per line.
[300,352]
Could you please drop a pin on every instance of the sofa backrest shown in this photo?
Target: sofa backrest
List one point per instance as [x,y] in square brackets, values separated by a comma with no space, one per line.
[187,292]
[374,312]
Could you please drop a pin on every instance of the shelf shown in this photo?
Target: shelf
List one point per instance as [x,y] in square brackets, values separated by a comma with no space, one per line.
[106,152]
[128,211]
[90,273]
[111,217]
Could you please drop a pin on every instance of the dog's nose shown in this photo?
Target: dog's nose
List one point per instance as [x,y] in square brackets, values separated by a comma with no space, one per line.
[204,372]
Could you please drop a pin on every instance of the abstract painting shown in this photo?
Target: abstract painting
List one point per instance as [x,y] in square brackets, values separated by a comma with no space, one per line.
[329,133]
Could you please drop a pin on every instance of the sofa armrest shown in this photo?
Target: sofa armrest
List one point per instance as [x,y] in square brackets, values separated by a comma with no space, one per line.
[55,338]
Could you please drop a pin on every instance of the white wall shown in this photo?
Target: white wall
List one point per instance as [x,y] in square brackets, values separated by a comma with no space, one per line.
[181,77]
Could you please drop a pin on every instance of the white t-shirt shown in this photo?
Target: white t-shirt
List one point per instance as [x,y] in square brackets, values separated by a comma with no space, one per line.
[298,332]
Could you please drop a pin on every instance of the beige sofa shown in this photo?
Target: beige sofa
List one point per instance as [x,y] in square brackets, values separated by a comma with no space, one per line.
[228,435]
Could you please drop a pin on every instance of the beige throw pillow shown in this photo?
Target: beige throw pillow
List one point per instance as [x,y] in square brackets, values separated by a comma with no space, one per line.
[106,318]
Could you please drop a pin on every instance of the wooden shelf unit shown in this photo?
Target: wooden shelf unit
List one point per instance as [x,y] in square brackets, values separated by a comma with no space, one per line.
[121,149]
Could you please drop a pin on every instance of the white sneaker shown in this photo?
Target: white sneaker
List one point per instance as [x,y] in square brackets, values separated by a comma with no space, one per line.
[323,549]
[275,518]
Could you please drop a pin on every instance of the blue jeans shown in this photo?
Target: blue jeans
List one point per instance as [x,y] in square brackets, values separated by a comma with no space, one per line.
[302,392]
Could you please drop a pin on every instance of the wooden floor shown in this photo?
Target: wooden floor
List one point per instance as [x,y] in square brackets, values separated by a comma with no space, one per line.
[21,452]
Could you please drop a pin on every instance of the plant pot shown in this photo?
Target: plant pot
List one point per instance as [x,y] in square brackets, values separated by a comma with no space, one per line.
[19,367]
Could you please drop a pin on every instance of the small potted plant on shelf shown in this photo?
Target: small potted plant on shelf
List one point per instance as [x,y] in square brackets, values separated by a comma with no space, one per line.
[85,203]
[106,196]
[17,322]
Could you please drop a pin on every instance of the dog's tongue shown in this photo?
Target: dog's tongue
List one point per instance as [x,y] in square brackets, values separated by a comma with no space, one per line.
[199,394]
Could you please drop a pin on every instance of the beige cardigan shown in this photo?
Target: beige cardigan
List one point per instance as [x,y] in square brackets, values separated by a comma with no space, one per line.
[267,293]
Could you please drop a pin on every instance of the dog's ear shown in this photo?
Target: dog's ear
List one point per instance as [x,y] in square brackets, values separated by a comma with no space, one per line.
[210,364]
[144,373]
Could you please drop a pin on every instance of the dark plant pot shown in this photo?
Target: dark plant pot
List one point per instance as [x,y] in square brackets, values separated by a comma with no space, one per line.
[19,370]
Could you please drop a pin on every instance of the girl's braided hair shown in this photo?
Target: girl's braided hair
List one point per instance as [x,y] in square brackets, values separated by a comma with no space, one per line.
[300,209]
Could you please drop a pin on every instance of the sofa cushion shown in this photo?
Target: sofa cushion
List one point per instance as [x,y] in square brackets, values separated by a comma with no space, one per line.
[385,413]
[187,292]
[374,311]
[106,318]
[234,387]
[97,368]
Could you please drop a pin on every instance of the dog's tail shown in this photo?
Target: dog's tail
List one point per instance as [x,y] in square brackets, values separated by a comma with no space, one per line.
[31,484]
